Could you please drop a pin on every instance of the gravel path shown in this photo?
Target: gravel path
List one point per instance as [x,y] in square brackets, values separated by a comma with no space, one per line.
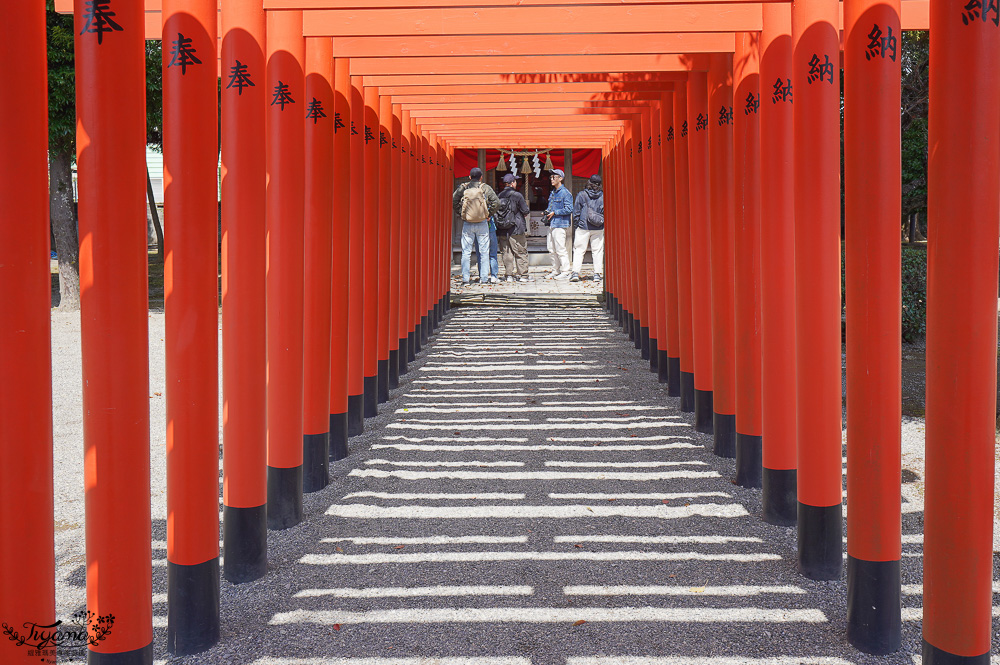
[529,496]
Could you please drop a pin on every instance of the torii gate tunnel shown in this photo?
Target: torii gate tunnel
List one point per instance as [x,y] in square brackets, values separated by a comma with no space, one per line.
[338,132]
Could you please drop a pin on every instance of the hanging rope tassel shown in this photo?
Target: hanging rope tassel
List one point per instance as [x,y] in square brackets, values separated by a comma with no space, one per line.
[548,162]
[526,166]
[501,165]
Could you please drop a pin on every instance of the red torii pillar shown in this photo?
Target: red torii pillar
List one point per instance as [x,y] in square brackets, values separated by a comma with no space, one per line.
[397,346]
[633,171]
[658,334]
[722,220]
[111,166]
[357,400]
[340,339]
[872,257]
[701,272]
[244,327]
[368,130]
[28,589]
[647,241]
[383,187]
[419,204]
[406,353]
[816,54]
[190,160]
[318,254]
[285,211]
[779,498]
[670,365]
[682,208]
[962,210]
[746,143]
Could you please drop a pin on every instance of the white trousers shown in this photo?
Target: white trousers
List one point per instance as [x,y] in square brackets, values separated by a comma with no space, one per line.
[596,241]
[555,242]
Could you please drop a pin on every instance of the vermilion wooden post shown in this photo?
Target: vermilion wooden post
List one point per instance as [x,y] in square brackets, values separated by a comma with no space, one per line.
[872,261]
[624,233]
[318,238]
[397,349]
[746,150]
[369,134]
[413,230]
[340,347]
[357,387]
[816,50]
[110,157]
[701,272]
[285,207]
[190,160]
[427,202]
[962,212]
[685,317]
[722,220]
[419,196]
[613,244]
[658,342]
[244,313]
[383,186]
[672,357]
[633,174]
[647,248]
[28,589]
[779,497]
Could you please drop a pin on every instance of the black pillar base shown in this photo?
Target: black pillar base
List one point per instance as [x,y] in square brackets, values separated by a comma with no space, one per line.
[935,656]
[637,334]
[821,541]
[338,436]
[284,497]
[703,407]
[644,342]
[874,624]
[411,347]
[383,380]
[315,461]
[654,358]
[355,414]
[244,543]
[674,377]
[418,334]
[630,328]
[748,460]
[193,606]
[403,366]
[141,656]
[687,392]
[425,330]
[779,496]
[662,366]
[371,396]
[724,427]
[393,369]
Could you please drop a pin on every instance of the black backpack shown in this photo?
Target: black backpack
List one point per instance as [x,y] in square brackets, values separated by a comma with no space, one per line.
[504,216]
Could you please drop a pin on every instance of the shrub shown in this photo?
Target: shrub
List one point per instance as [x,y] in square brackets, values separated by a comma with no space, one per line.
[914,293]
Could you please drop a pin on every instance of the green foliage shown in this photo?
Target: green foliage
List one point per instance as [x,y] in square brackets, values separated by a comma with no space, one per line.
[62,80]
[914,293]
[915,92]
[62,84]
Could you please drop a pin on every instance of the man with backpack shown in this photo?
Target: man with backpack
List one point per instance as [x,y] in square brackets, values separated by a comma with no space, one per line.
[475,202]
[512,228]
[588,213]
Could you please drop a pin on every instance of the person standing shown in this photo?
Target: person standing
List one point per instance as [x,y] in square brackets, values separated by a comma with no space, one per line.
[558,214]
[512,228]
[475,202]
[588,214]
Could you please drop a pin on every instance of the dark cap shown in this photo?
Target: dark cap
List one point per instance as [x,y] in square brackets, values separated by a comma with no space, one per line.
[476,173]
[595,179]
[558,172]
[510,177]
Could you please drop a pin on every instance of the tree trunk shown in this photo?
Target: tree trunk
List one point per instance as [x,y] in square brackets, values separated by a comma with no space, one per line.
[154,216]
[64,228]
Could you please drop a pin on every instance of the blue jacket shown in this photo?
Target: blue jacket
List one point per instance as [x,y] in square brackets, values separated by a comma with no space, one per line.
[561,203]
